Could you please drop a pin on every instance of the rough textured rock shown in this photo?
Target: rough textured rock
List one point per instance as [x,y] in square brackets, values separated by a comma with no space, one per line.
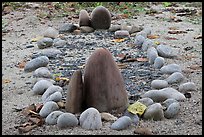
[188,86]
[42,72]
[154,112]
[74,97]
[170,68]
[51,32]
[67,120]
[51,119]
[176,77]
[159,84]
[41,86]
[152,54]
[38,62]
[44,43]
[84,19]
[159,62]
[100,18]
[104,87]
[166,51]
[122,123]
[47,108]
[90,119]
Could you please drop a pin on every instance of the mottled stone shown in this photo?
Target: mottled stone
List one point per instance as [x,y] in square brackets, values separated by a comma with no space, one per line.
[122,123]
[84,19]
[154,112]
[176,77]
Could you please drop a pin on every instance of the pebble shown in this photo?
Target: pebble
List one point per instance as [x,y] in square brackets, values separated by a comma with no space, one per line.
[121,34]
[84,19]
[143,131]
[142,33]
[122,123]
[159,84]
[67,28]
[125,27]
[147,31]
[51,33]
[41,86]
[86,29]
[42,72]
[146,101]
[188,86]
[172,110]
[159,62]
[90,119]
[170,68]
[168,102]
[67,120]
[51,119]
[59,43]
[152,54]
[35,63]
[134,117]
[165,51]
[44,43]
[147,44]
[51,90]
[114,28]
[135,28]
[35,80]
[163,94]
[139,40]
[108,117]
[154,112]
[47,108]
[56,97]
[176,77]
[51,53]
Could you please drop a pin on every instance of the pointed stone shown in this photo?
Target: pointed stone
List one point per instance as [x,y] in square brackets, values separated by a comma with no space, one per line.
[74,94]
[84,19]
[104,87]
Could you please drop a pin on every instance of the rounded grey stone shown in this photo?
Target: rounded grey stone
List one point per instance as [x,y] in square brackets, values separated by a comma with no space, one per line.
[114,28]
[47,108]
[168,102]
[121,34]
[42,72]
[147,44]
[51,53]
[134,117]
[142,33]
[59,43]
[35,63]
[51,90]
[172,110]
[152,54]
[67,120]
[176,77]
[148,31]
[51,119]
[44,43]
[159,62]
[146,101]
[154,112]
[56,97]
[170,68]
[121,123]
[188,86]
[139,40]
[67,28]
[165,51]
[51,33]
[41,86]
[159,84]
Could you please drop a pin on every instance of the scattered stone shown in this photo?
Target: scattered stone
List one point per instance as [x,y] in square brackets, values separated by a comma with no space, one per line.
[38,62]
[142,33]
[147,31]
[51,90]
[47,108]
[122,123]
[163,94]
[189,86]
[100,18]
[159,84]
[154,112]
[84,19]
[114,28]
[166,51]
[170,68]
[35,80]
[147,44]
[135,29]
[176,77]
[90,119]
[67,28]
[146,101]
[51,119]
[139,40]
[86,29]
[77,32]
[152,54]
[172,110]
[108,117]
[121,34]
[41,86]
[159,62]
[67,120]
[59,43]
[44,43]
[57,96]
[168,102]
[124,26]
[143,131]
[109,94]
[42,72]
[51,33]
[74,93]
[134,117]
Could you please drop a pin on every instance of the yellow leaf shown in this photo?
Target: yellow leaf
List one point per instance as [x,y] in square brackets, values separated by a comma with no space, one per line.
[137,108]
[119,40]
[157,43]
[36,39]
[61,78]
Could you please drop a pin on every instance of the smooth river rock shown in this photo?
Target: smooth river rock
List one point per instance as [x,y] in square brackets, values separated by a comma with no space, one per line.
[67,120]
[84,19]
[51,32]
[44,43]
[152,54]
[51,119]
[122,123]
[159,62]
[154,112]
[50,91]
[41,86]
[170,68]
[42,72]
[188,86]
[176,77]
[146,101]
[165,51]
[172,110]
[47,108]
[159,84]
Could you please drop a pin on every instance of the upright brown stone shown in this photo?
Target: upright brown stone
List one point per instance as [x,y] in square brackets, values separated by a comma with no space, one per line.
[74,97]
[104,88]
[84,19]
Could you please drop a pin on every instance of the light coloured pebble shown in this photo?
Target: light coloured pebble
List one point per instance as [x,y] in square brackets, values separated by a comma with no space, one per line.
[168,102]
[163,94]
[51,53]
[86,29]
[35,80]
[170,68]
[51,33]
[44,43]
[159,62]
[122,123]
[114,28]
[108,117]
[125,27]
[134,117]
[135,28]
[188,86]
[166,51]
[67,120]
[51,90]
[147,31]
[51,119]
[59,42]
[159,84]
[41,86]
[172,110]
[90,119]
[42,72]
[35,63]
[147,44]
[146,101]
[121,34]
[139,40]
[152,54]
[176,77]
[154,112]
[47,108]
[56,97]
[142,33]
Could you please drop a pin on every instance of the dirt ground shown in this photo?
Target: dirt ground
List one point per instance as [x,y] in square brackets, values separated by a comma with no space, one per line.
[16,90]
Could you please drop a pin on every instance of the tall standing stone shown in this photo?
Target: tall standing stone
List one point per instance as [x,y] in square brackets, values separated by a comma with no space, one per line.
[104,87]
[84,19]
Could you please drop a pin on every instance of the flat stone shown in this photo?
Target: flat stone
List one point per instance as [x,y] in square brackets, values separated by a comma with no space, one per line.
[159,84]
[121,34]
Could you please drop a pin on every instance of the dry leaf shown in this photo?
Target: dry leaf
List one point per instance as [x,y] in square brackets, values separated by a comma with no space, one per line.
[122,65]
[4,81]
[142,59]
[38,107]
[22,64]
[170,38]
[176,31]
[26,111]
[152,36]
[61,104]
[26,128]
[119,40]
[37,120]
[173,28]
[157,43]
[198,37]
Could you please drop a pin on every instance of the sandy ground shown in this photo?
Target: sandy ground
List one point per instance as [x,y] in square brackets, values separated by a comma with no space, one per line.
[16,93]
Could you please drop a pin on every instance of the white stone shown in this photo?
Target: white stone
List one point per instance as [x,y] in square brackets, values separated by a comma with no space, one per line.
[159,84]
[47,108]
[41,86]
[67,120]
[51,119]
[51,90]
